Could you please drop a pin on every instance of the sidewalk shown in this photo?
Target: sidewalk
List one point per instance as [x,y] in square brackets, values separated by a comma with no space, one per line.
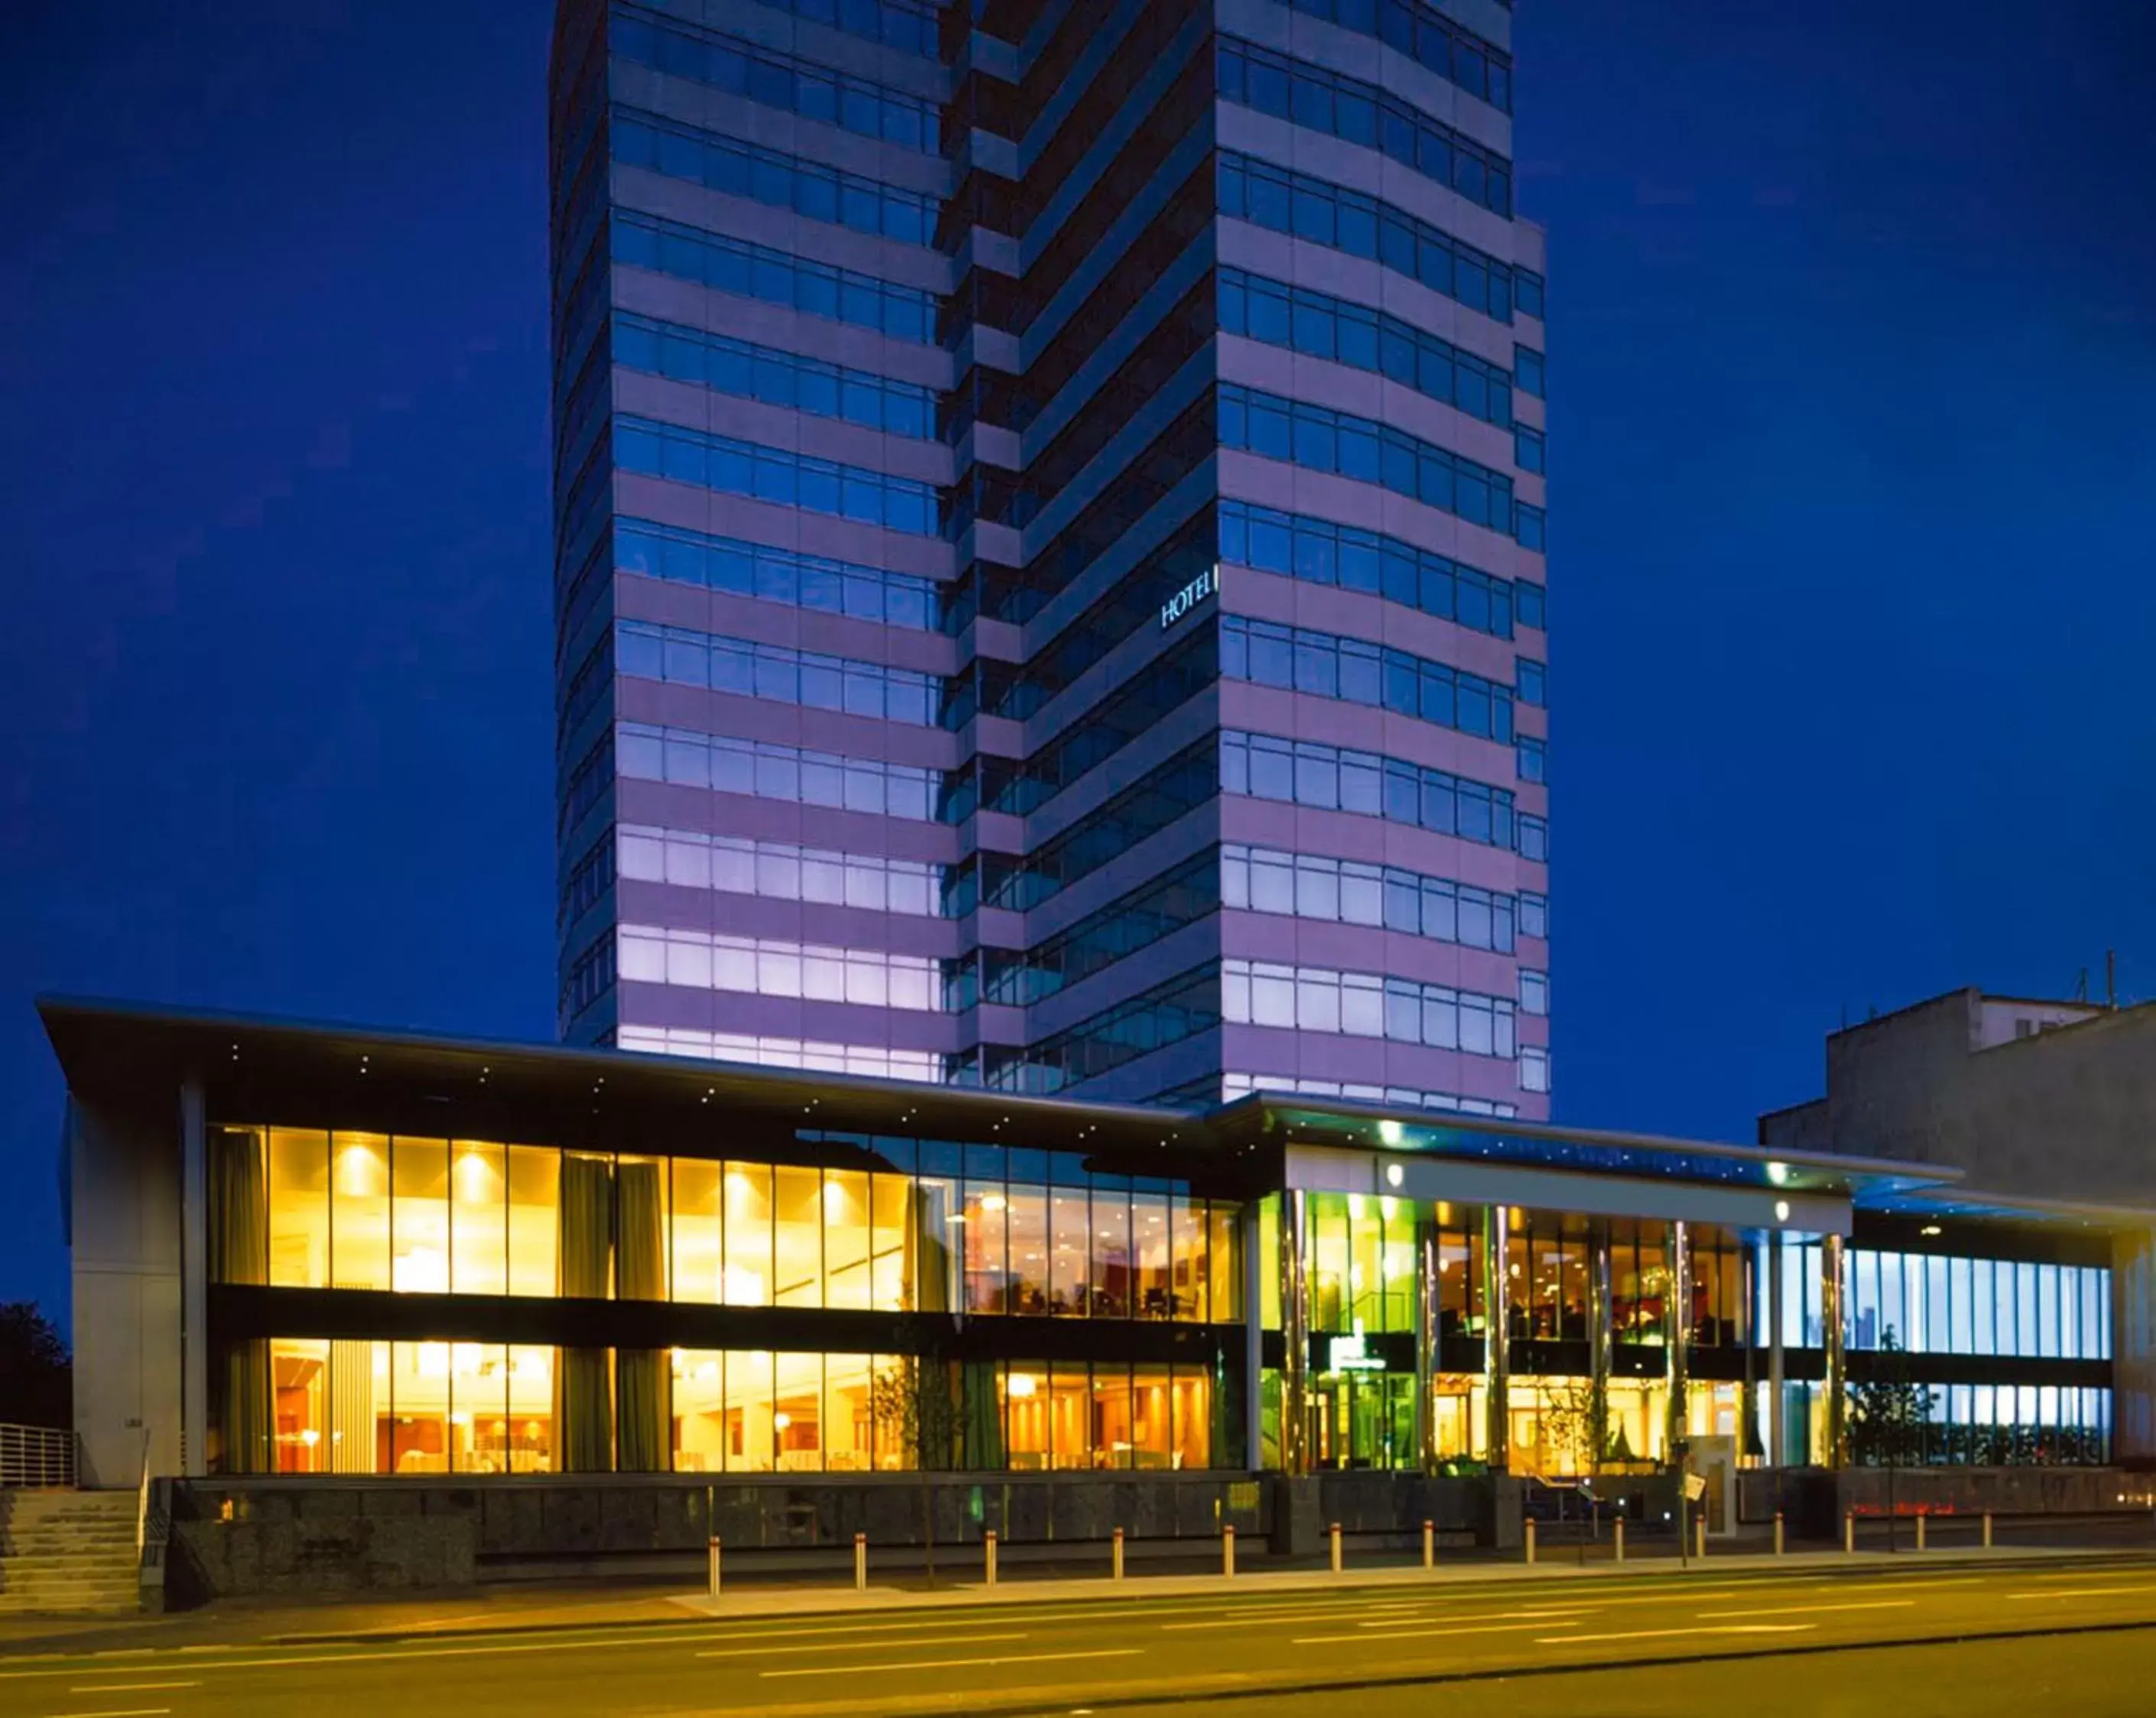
[504,1609]
[825,1600]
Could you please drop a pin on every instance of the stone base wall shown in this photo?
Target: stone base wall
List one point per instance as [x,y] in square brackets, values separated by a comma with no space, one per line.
[1812,1501]
[328,1535]
[2005,1492]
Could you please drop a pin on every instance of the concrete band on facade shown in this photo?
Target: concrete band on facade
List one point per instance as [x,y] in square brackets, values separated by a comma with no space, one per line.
[1274,1287]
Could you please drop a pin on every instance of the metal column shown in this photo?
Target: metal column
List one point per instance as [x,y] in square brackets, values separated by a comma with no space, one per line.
[1295,1333]
[194,1280]
[1600,1311]
[1778,1447]
[1747,1321]
[1831,1304]
[1426,1354]
[1254,1337]
[1496,1338]
[1676,1326]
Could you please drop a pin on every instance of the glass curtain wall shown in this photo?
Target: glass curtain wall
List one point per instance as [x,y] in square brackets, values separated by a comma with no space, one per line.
[925,1226]
[918,1226]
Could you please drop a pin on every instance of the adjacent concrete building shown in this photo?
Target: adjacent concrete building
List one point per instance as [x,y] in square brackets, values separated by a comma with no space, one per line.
[2042,1100]
[2052,1104]
[1051,561]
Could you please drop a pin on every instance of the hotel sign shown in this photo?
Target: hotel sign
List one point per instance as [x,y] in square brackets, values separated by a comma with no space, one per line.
[1206,584]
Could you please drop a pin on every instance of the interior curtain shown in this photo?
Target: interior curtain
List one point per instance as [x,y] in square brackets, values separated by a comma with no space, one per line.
[239,1208]
[641,1382]
[928,1250]
[587,1225]
[239,1253]
[583,1393]
[244,1415]
[982,1416]
[583,1411]
[643,1416]
[351,1408]
[1226,1402]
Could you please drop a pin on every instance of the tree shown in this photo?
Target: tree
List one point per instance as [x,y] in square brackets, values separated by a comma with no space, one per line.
[37,1379]
[913,1410]
[1575,1423]
[1889,1413]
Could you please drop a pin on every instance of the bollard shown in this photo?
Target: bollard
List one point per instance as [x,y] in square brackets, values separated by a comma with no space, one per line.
[711,1572]
[1621,1539]
[860,1562]
[1430,1545]
[1848,1532]
[1228,1551]
[1336,1547]
[988,1545]
[1920,1532]
[1777,1533]
[1987,1529]
[1529,1538]
[1699,1536]
[1116,1546]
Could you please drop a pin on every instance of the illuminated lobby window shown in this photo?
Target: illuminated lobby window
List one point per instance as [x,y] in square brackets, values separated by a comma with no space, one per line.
[980,1228]
[340,1407]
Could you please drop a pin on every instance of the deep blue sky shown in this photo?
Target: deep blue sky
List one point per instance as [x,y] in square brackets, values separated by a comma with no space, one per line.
[1854,491]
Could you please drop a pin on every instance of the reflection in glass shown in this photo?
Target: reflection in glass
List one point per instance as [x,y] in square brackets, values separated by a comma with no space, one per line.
[299,1213]
[535,1200]
[1151,1239]
[798,1236]
[985,1229]
[1110,1273]
[891,1199]
[420,1211]
[846,1239]
[300,1377]
[479,1218]
[1029,1251]
[359,1215]
[746,1279]
[1067,1251]
[699,1245]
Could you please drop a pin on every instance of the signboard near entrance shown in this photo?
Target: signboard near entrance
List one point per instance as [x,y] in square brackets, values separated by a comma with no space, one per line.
[1352,1354]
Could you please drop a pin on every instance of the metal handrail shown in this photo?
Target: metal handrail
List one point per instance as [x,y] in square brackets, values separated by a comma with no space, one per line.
[36,1456]
[142,1502]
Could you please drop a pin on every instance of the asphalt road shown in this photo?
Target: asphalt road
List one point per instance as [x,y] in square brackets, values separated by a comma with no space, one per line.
[2077,1640]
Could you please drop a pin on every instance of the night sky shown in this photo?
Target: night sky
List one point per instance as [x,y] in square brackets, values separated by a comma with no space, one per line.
[1853,344]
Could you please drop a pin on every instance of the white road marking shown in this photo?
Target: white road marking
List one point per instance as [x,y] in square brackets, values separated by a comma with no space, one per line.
[1442,1618]
[1878,1604]
[1427,1634]
[2085,1593]
[131,1687]
[1119,1652]
[1677,1634]
[129,1712]
[1323,1614]
[845,1646]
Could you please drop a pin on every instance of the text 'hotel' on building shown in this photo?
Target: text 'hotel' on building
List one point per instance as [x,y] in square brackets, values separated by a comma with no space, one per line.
[1050,566]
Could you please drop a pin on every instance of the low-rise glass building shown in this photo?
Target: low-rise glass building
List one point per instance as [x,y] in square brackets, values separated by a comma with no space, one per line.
[306,1250]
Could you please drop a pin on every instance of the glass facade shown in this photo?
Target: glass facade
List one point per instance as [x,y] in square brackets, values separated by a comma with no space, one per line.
[835,1302]
[903,1227]
[933,1227]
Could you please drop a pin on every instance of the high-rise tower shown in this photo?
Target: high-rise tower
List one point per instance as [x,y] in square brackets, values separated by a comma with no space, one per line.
[1049,574]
